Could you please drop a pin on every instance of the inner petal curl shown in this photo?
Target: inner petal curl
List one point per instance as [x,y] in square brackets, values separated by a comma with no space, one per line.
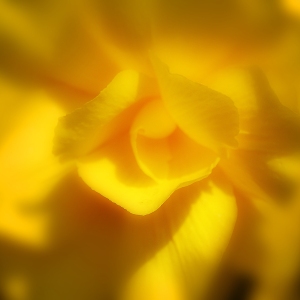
[164,152]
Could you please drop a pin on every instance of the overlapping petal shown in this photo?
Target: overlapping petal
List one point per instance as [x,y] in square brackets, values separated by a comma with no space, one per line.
[268,129]
[126,159]
[88,127]
[265,124]
[118,177]
[208,117]
[182,268]
[107,246]
[139,174]
[164,152]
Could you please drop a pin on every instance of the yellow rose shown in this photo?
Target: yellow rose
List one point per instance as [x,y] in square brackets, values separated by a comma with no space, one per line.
[182,138]
[148,141]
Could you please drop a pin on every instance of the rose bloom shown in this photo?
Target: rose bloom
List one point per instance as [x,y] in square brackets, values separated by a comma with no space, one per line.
[149,150]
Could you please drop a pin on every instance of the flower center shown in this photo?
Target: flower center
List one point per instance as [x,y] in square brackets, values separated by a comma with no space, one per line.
[154,121]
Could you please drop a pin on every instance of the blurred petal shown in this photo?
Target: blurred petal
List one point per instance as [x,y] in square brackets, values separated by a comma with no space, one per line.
[125,30]
[197,38]
[279,233]
[99,246]
[251,172]
[208,117]
[79,260]
[265,124]
[87,127]
[164,152]
[183,267]
[282,66]
[291,6]
[117,176]
[51,39]
[28,169]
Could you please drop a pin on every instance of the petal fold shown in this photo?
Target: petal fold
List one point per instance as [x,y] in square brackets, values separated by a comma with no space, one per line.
[183,267]
[207,116]
[113,172]
[87,127]
[265,124]
[164,152]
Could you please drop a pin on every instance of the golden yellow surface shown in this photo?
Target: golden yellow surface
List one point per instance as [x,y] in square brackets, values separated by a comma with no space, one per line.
[149,150]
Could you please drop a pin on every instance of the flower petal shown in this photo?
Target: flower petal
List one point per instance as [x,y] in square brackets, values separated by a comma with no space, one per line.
[269,130]
[281,240]
[208,117]
[107,244]
[83,233]
[53,40]
[266,125]
[113,172]
[164,152]
[84,129]
[182,268]
[250,171]
[28,169]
